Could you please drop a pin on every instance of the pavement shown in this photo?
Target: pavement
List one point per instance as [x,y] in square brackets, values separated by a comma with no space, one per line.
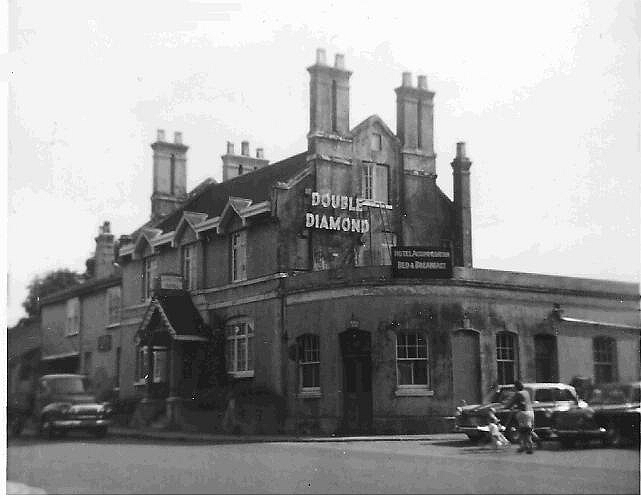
[182,436]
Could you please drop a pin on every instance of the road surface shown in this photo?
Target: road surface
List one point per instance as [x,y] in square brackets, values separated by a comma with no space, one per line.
[84,465]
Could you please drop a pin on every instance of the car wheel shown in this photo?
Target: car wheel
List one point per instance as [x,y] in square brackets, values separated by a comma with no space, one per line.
[46,427]
[613,437]
[99,432]
[567,442]
[474,438]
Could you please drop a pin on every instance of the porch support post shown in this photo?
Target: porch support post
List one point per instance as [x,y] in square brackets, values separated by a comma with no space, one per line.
[173,402]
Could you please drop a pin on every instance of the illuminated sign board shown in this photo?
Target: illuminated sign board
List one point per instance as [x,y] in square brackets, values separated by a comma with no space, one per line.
[341,219]
[421,261]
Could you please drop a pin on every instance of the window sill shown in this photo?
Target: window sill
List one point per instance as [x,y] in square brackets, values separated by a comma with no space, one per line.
[316,394]
[72,334]
[408,391]
[141,382]
[242,374]
[113,325]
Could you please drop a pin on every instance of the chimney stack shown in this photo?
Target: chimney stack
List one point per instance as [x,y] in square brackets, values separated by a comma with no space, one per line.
[462,208]
[244,148]
[243,163]
[328,98]
[105,254]
[230,147]
[259,152]
[169,175]
[415,124]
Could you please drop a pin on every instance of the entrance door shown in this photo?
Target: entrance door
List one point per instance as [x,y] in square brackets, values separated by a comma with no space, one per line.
[466,366]
[545,358]
[357,381]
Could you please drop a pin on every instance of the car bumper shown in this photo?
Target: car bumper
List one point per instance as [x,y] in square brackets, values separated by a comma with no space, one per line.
[471,430]
[80,423]
[593,433]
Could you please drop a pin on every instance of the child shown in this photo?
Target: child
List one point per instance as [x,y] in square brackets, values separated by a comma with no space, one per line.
[497,439]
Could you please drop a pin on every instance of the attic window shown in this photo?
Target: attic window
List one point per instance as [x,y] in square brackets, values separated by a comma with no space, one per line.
[377,142]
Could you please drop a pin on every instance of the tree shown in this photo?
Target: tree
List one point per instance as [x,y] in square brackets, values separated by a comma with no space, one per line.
[41,286]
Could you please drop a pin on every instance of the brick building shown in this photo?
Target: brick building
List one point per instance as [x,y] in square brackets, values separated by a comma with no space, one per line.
[284,271]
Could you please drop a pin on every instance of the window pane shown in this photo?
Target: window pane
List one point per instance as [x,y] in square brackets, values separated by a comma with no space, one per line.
[380,183]
[420,372]
[404,372]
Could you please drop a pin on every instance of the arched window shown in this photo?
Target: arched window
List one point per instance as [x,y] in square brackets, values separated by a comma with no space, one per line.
[605,359]
[309,363]
[506,357]
[412,366]
[239,351]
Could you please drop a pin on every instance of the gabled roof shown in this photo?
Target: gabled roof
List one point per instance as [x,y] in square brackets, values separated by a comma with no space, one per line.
[234,205]
[256,186]
[371,120]
[190,219]
[146,235]
[178,314]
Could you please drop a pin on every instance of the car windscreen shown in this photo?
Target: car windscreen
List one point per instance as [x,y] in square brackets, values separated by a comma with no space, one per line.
[614,395]
[67,385]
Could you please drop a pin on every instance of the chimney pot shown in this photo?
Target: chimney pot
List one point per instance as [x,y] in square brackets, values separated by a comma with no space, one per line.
[320,57]
[244,146]
[178,137]
[339,61]
[422,82]
[106,227]
[460,150]
[259,152]
[160,135]
[407,79]
[230,147]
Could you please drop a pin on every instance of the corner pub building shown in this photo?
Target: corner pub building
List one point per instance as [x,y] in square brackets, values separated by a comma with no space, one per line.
[285,270]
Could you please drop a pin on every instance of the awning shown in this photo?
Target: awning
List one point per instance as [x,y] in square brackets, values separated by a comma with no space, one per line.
[177,312]
[60,356]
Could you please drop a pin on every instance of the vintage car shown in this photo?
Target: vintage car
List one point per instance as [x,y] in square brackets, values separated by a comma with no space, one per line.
[617,407]
[65,402]
[550,401]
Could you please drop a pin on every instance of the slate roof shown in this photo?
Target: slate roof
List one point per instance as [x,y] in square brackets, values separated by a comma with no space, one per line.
[254,185]
[84,288]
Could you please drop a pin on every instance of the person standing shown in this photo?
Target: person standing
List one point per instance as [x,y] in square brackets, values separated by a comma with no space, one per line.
[524,417]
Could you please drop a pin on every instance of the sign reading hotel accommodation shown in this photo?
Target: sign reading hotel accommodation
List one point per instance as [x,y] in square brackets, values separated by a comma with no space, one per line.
[421,261]
[170,281]
[341,209]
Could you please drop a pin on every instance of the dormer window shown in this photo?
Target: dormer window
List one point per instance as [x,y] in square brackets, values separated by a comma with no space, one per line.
[148,274]
[239,256]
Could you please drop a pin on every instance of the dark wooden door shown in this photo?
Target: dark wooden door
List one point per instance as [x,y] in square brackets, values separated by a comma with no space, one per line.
[546,358]
[357,382]
[466,367]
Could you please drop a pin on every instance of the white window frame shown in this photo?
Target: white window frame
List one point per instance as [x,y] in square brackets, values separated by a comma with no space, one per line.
[412,359]
[189,266]
[238,258]
[503,355]
[376,142]
[599,353]
[369,173]
[309,355]
[239,336]
[72,326]
[149,265]
[114,297]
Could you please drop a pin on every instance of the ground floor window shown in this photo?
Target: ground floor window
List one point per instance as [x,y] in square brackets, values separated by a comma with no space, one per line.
[412,360]
[605,356]
[506,358]
[160,364]
[142,363]
[309,363]
[239,337]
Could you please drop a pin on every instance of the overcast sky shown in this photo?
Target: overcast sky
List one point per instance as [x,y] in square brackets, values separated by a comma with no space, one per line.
[546,95]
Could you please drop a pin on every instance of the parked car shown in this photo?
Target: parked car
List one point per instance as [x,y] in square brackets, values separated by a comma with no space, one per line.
[617,407]
[550,402]
[65,402]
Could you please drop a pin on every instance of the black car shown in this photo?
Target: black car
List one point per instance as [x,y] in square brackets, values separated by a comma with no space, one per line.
[551,402]
[617,407]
